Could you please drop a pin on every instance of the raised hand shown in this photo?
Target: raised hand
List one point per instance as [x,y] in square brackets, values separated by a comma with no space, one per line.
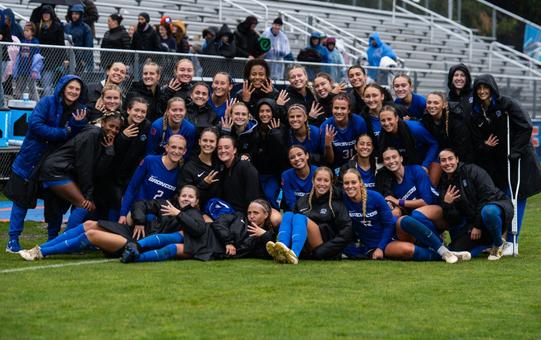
[275,123]
[131,131]
[492,140]
[174,84]
[211,177]
[283,98]
[316,110]
[330,133]
[451,195]
[79,114]
[267,86]
[227,122]
[247,91]
[169,210]
[339,88]
[228,106]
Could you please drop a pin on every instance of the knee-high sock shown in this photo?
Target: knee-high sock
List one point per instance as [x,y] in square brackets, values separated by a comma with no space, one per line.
[53,226]
[160,240]
[77,216]
[299,233]
[419,216]
[424,254]
[521,208]
[422,234]
[66,235]
[16,220]
[285,230]
[165,253]
[491,215]
[75,244]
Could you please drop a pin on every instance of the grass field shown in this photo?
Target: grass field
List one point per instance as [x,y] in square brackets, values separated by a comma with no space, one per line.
[83,298]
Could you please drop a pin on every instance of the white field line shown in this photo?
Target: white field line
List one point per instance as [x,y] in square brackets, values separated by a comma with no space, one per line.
[60,265]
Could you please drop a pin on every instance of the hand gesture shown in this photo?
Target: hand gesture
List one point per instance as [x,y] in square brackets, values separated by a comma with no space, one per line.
[339,88]
[227,123]
[174,84]
[138,232]
[169,210]
[228,105]
[230,250]
[88,205]
[316,110]
[492,141]
[377,254]
[283,98]
[254,230]
[100,106]
[275,123]
[267,86]
[475,233]
[393,200]
[451,195]
[131,131]
[247,91]
[108,141]
[122,220]
[79,114]
[330,133]
[211,177]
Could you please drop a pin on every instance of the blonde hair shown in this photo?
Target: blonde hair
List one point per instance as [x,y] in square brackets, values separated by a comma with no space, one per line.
[312,191]
[299,107]
[445,111]
[165,123]
[364,193]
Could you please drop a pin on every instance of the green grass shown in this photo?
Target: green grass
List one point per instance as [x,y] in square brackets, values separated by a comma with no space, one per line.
[252,298]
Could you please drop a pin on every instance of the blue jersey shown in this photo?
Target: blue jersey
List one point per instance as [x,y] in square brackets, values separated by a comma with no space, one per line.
[368,176]
[157,140]
[377,228]
[425,143]
[376,125]
[294,188]
[345,139]
[151,180]
[219,110]
[311,144]
[415,185]
[417,107]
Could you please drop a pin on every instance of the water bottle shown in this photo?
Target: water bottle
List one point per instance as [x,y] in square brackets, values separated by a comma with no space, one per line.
[26,97]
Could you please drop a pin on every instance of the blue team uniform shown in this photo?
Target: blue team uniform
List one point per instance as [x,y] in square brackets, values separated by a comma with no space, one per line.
[345,139]
[219,110]
[376,125]
[294,188]
[312,144]
[368,177]
[151,180]
[377,229]
[415,185]
[417,107]
[425,143]
[156,141]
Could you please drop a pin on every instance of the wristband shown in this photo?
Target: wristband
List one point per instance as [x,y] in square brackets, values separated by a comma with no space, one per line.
[402,203]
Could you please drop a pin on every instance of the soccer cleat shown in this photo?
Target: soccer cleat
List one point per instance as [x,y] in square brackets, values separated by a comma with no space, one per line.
[31,254]
[274,252]
[13,246]
[130,253]
[462,255]
[496,253]
[508,248]
[449,257]
[286,253]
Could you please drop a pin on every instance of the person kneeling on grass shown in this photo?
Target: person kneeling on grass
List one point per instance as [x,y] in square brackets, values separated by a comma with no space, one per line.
[179,220]
[320,220]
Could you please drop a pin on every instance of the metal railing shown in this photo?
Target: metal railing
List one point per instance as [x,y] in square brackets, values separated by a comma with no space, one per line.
[531,61]
[433,24]
[232,3]
[343,33]
[506,12]
[17,15]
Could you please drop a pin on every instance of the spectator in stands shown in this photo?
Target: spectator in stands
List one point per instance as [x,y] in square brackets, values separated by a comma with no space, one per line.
[145,37]
[223,45]
[81,35]
[208,35]
[90,16]
[168,43]
[5,36]
[376,50]
[460,92]
[50,32]
[279,50]
[116,37]
[29,64]
[149,89]
[178,29]
[335,57]
[15,28]
[315,53]
[246,39]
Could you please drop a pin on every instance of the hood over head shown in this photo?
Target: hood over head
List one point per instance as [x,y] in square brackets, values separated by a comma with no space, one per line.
[374,36]
[463,68]
[59,88]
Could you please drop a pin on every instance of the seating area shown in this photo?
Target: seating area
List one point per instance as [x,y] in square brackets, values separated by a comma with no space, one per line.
[427,51]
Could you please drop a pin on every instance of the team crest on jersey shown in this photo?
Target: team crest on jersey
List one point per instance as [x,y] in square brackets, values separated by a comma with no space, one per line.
[470,100]
[464,183]
[498,113]
[143,137]
[323,211]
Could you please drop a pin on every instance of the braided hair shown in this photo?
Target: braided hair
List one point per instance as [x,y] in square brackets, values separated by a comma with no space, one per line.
[312,191]
[445,111]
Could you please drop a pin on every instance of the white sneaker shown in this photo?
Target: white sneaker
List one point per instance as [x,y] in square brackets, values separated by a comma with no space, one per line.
[449,257]
[508,249]
[31,254]
[289,254]
[496,253]
[462,255]
[275,252]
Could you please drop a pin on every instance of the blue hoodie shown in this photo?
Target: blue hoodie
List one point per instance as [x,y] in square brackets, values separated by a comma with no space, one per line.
[44,129]
[15,28]
[375,54]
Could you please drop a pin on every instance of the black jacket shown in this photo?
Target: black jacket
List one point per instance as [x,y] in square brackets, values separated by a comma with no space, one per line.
[146,39]
[82,159]
[194,173]
[201,117]
[460,103]
[53,35]
[334,224]
[199,240]
[116,38]
[247,141]
[296,98]
[476,190]
[155,108]
[233,229]
[167,93]
[239,185]
[218,47]
[246,41]
[356,103]
[494,159]
[256,96]
[129,152]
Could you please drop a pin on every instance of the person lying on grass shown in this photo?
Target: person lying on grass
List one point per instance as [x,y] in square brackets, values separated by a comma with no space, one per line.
[180,220]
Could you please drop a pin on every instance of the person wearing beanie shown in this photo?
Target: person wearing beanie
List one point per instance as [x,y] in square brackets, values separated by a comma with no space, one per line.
[145,37]
[335,57]
[246,38]
[279,49]
[81,35]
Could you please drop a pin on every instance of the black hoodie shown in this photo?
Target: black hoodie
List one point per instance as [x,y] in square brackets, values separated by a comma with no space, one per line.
[461,102]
